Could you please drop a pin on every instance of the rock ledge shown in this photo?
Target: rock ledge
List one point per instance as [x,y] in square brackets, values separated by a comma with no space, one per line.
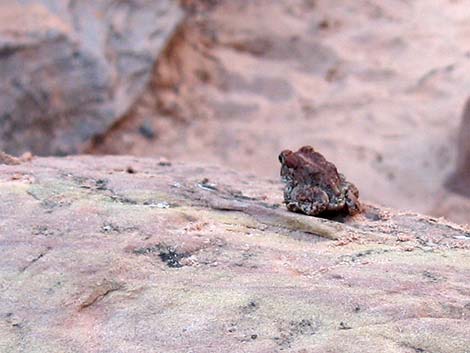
[119,254]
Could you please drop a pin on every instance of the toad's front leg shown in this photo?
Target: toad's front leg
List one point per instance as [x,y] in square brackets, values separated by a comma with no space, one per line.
[310,200]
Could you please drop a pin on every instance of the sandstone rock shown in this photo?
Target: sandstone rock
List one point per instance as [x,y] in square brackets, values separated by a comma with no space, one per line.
[452,205]
[460,180]
[192,258]
[70,69]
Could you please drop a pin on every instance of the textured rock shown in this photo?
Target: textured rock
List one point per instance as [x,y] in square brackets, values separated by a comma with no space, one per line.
[460,180]
[70,69]
[120,254]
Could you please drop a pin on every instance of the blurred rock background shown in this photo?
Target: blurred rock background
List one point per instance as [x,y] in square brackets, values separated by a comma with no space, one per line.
[71,69]
[378,87]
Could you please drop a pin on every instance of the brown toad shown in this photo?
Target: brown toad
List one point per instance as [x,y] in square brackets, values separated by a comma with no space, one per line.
[314,186]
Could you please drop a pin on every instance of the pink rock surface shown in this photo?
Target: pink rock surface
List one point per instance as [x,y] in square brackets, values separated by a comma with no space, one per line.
[121,254]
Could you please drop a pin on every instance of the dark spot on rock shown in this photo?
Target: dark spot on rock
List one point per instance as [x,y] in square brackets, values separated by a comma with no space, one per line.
[163,162]
[253,337]
[42,230]
[304,327]
[359,256]
[324,24]
[431,276]
[169,255]
[332,74]
[130,170]
[171,258]
[203,75]
[13,321]
[101,184]
[89,183]
[147,131]
[295,328]
[344,326]
[249,308]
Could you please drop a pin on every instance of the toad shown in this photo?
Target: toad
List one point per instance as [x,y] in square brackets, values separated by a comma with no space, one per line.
[313,185]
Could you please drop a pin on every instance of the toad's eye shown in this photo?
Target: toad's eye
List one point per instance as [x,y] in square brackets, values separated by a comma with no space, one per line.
[284,155]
